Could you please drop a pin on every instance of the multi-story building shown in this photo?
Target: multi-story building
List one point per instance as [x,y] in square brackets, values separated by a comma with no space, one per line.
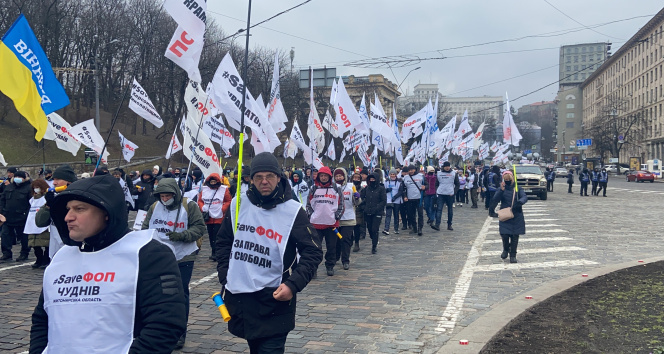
[578,61]
[570,118]
[626,92]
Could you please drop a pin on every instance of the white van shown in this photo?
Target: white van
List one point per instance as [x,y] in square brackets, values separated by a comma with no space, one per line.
[654,166]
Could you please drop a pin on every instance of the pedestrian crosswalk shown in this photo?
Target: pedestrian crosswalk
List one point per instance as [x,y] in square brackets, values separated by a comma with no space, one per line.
[546,240]
[636,191]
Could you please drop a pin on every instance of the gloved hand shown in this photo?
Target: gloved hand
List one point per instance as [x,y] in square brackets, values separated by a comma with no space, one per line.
[49,196]
[517,204]
[175,236]
[337,215]
[388,190]
[356,195]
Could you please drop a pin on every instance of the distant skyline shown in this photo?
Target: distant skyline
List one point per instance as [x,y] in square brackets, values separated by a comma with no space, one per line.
[334,33]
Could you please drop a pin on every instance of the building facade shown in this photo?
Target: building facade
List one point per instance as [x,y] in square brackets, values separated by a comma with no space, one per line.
[578,61]
[626,91]
[570,118]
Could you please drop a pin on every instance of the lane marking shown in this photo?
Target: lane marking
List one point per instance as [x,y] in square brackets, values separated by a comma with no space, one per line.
[533,239]
[545,231]
[509,266]
[449,318]
[14,266]
[202,280]
[537,214]
[538,250]
[530,227]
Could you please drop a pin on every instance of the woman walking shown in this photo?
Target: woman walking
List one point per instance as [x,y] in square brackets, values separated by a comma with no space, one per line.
[512,228]
[38,237]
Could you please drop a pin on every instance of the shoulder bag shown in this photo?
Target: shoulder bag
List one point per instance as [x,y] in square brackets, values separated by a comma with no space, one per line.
[505,214]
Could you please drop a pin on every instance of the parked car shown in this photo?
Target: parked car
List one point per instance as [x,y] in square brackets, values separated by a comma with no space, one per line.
[611,168]
[640,176]
[561,172]
[531,179]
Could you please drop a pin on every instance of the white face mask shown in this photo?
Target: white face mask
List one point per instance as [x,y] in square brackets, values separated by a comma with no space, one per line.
[18,180]
[168,202]
[37,190]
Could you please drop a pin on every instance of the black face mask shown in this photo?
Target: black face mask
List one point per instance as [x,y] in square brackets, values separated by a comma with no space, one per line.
[508,183]
[357,183]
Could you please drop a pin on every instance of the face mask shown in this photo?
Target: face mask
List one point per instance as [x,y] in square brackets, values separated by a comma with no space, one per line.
[357,183]
[508,183]
[18,180]
[156,184]
[168,202]
[372,183]
[37,190]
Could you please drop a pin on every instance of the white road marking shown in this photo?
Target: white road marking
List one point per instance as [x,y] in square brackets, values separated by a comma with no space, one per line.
[531,226]
[534,239]
[538,250]
[648,192]
[15,266]
[449,318]
[509,266]
[202,280]
[545,231]
[536,214]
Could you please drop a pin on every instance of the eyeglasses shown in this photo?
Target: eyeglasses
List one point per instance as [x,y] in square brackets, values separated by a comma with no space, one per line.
[269,177]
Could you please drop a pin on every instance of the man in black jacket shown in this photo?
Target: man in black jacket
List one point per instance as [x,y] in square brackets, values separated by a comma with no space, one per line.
[258,268]
[374,199]
[144,191]
[15,205]
[108,290]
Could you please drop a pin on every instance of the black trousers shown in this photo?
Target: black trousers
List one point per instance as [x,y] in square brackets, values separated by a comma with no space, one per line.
[270,345]
[414,206]
[330,238]
[373,223]
[594,190]
[213,229]
[569,189]
[584,188]
[359,230]
[549,186]
[10,233]
[487,200]
[510,243]
[403,211]
[343,245]
[602,188]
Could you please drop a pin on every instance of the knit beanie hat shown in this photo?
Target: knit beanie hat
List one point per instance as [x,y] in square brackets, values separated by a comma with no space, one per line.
[12,170]
[265,162]
[393,171]
[446,163]
[65,172]
[21,174]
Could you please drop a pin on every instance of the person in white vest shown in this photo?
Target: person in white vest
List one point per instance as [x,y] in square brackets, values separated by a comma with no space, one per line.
[48,177]
[414,186]
[108,290]
[448,184]
[258,264]
[299,187]
[38,237]
[347,221]
[63,176]
[214,201]
[179,224]
[325,207]
[394,193]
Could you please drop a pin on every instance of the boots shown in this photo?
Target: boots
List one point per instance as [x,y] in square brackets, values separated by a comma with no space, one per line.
[356,248]
[513,246]
[506,246]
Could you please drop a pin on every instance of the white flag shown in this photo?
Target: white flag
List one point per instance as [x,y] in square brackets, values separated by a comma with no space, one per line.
[333,92]
[494,146]
[478,136]
[87,134]
[331,151]
[449,142]
[199,149]
[343,155]
[511,133]
[379,122]
[2,160]
[290,149]
[186,45]
[59,130]
[315,130]
[256,143]
[444,159]
[127,193]
[398,150]
[275,109]
[410,127]
[464,126]
[128,148]
[347,116]
[297,138]
[140,103]
[174,146]
[364,116]
[217,132]
[226,92]
[329,125]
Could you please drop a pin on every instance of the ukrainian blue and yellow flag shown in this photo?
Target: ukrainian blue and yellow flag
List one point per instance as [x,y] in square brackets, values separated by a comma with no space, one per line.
[27,78]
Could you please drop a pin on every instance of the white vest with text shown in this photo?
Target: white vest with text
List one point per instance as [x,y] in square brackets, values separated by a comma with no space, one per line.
[162,221]
[349,210]
[90,297]
[213,200]
[256,260]
[324,202]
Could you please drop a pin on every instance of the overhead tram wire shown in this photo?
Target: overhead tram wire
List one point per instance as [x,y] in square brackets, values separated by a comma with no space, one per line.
[586,27]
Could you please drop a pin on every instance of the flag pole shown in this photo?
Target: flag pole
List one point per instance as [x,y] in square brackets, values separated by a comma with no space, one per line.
[243,108]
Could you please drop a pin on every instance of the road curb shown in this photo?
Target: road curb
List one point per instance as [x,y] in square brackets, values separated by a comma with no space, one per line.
[480,332]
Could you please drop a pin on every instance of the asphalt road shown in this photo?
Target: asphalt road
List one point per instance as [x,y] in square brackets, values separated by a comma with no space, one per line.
[417,291]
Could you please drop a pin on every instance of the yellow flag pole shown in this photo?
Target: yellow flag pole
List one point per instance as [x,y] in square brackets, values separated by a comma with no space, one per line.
[238,194]
[516,185]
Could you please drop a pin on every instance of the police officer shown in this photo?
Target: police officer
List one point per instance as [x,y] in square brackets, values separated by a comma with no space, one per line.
[584,178]
[594,178]
[126,286]
[260,283]
[603,179]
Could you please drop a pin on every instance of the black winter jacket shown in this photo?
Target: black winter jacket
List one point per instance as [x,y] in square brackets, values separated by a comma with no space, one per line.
[15,202]
[258,314]
[374,199]
[145,197]
[160,305]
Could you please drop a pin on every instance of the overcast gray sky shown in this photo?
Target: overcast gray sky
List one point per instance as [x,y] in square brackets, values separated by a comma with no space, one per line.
[335,32]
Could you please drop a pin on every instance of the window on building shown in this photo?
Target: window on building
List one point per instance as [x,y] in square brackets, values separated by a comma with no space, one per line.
[583,58]
[576,58]
[599,48]
[576,68]
[599,57]
[591,49]
[576,50]
[568,68]
[583,50]
[569,125]
[568,50]
[570,105]
[570,97]
[583,76]
[583,67]
[570,115]
[568,59]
